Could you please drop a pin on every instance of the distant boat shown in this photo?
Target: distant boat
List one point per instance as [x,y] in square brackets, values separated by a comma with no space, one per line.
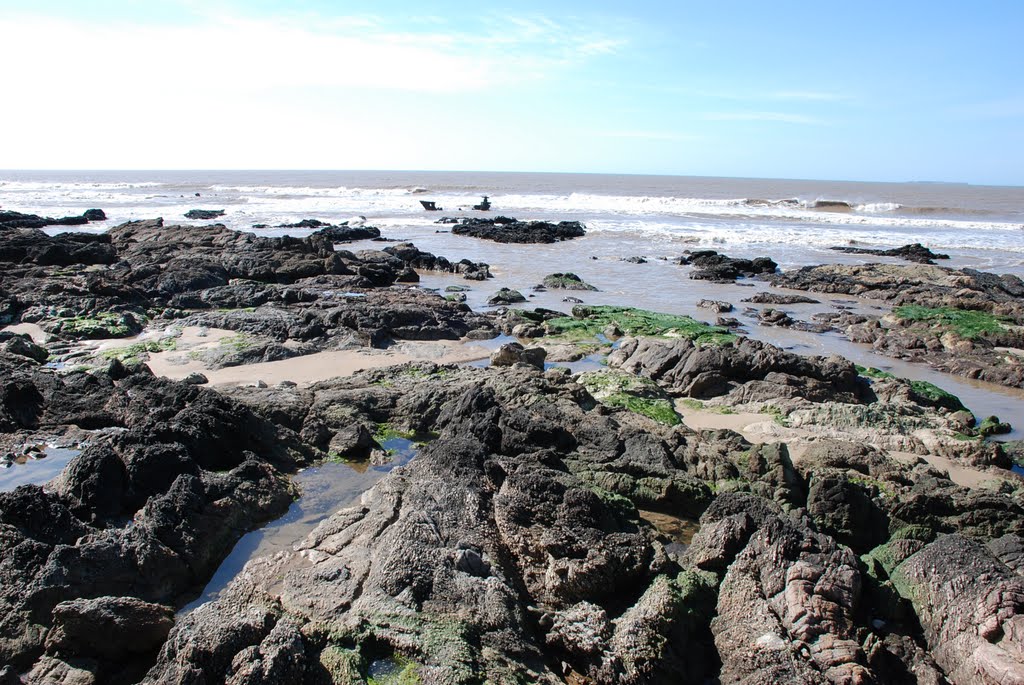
[430,206]
[485,205]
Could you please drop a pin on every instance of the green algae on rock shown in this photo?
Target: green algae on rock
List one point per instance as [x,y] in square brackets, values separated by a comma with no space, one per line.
[566,281]
[635,393]
[966,323]
[590,321]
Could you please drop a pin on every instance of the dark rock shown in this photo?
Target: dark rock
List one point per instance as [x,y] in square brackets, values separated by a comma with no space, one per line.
[703,371]
[514,353]
[95,215]
[513,231]
[204,214]
[777,298]
[712,266]
[109,628]
[505,296]
[715,305]
[23,346]
[343,233]
[566,281]
[912,253]
[417,259]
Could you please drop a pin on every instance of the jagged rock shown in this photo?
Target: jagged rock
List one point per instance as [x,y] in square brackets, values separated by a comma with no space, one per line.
[971,607]
[716,306]
[777,298]
[514,353]
[416,258]
[712,266]
[110,628]
[787,601]
[505,296]
[505,230]
[24,347]
[702,371]
[566,281]
[204,214]
[912,253]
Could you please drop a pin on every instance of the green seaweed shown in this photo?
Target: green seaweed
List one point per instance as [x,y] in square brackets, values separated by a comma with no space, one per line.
[136,350]
[385,431]
[637,394]
[936,395]
[408,673]
[566,281]
[872,372]
[104,325]
[591,321]
[967,323]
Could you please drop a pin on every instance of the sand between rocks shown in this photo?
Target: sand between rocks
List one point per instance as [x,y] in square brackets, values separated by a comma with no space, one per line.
[762,428]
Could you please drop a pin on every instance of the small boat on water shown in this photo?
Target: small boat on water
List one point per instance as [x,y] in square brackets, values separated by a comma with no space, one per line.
[430,206]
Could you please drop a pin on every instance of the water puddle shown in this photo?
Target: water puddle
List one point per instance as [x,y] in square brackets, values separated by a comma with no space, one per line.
[677,532]
[326,488]
[392,671]
[35,468]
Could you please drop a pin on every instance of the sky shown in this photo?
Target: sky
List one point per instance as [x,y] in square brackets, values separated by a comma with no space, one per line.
[872,91]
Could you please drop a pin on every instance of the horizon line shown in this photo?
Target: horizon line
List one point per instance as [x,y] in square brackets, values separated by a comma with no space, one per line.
[485,171]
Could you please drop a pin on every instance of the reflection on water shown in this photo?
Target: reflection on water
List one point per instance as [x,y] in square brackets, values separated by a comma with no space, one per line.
[35,468]
[325,489]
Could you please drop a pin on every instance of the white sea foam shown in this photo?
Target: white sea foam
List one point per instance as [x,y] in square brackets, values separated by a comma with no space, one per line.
[877,207]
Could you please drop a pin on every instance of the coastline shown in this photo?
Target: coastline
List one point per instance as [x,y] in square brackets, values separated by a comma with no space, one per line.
[532,518]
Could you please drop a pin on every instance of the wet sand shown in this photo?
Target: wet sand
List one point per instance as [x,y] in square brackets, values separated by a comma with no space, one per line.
[32,330]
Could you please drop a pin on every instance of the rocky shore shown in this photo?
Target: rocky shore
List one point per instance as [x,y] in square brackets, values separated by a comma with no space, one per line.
[553,527]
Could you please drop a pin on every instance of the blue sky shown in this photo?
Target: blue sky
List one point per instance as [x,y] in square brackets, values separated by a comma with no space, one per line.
[872,91]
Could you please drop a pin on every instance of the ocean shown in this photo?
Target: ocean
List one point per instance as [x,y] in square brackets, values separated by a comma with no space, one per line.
[793,221]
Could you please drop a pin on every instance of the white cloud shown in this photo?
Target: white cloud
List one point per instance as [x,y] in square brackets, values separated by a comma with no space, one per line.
[226,53]
[241,92]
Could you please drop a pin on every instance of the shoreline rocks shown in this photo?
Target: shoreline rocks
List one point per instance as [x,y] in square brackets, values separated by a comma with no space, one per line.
[964,322]
[709,265]
[506,230]
[912,253]
[540,532]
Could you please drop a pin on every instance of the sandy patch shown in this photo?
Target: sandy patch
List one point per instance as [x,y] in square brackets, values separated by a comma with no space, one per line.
[762,428]
[959,474]
[305,370]
[32,330]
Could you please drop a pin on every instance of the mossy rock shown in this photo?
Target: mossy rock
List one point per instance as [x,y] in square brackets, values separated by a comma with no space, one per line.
[345,666]
[966,323]
[139,351]
[637,394]
[105,325]
[873,373]
[566,281]
[590,321]
[930,394]
[506,296]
